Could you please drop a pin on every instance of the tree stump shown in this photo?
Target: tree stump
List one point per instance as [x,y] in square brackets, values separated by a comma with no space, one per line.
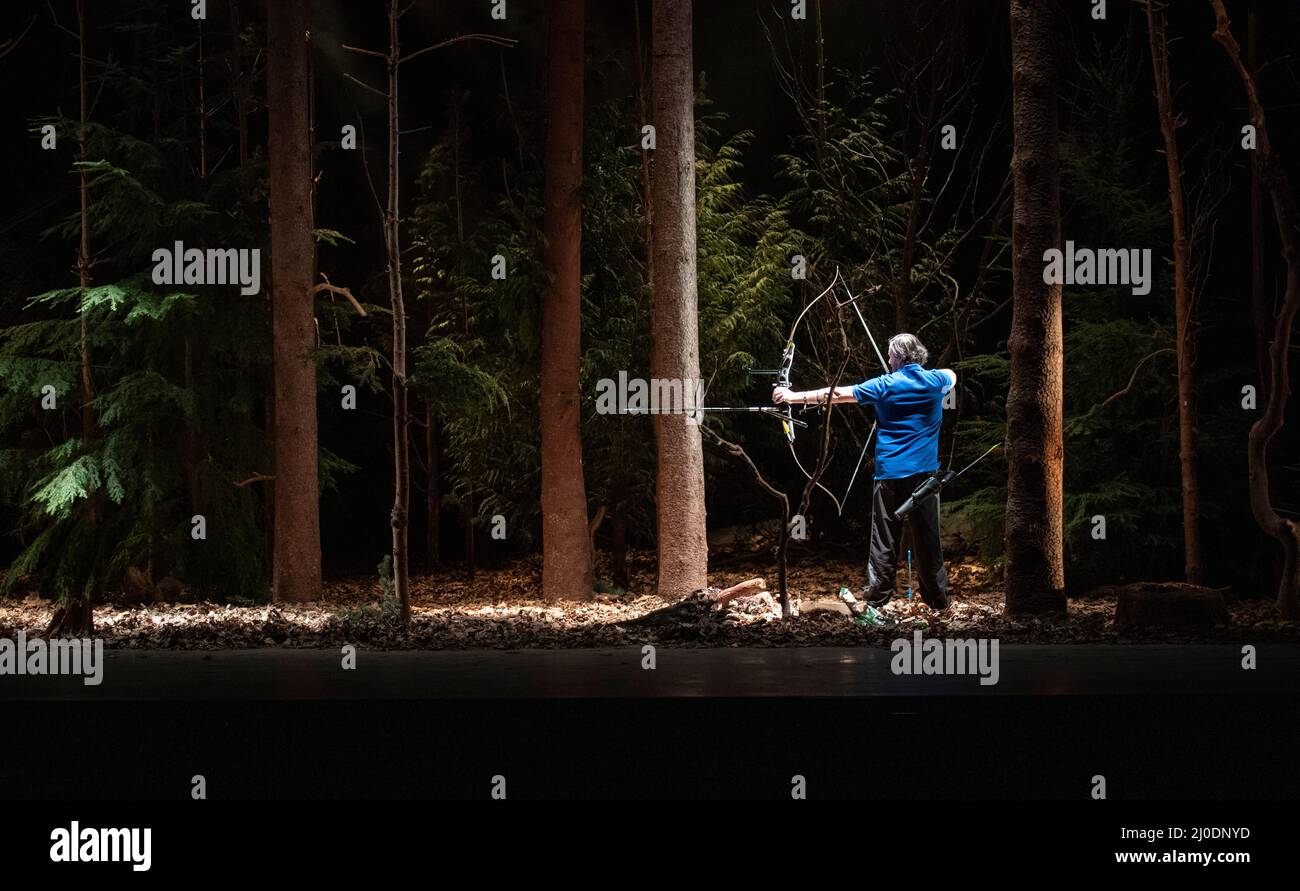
[1166,605]
[171,590]
[137,587]
[73,618]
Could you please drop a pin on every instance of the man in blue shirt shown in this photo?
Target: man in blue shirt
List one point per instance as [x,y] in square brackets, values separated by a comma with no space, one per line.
[909,410]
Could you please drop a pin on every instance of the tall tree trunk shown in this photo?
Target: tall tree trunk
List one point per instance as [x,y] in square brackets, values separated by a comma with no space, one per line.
[1285,531]
[203,111]
[566,546]
[400,518]
[193,483]
[618,545]
[89,421]
[1260,307]
[433,493]
[917,172]
[238,82]
[297,571]
[641,90]
[74,617]
[467,514]
[1035,571]
[1186,346]
[821,90]
[675,354]
[192,449]
[455,108]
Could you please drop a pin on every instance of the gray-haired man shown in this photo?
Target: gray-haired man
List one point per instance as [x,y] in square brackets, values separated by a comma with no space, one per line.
[908,402]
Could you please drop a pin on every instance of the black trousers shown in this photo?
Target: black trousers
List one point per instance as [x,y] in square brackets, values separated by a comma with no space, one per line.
[887,542]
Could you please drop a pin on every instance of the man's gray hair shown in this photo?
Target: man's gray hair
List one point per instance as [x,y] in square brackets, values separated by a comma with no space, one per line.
[906,349]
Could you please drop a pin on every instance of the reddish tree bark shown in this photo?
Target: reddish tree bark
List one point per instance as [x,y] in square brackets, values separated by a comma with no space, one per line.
[1035,570]
[296,573]
[675,354]
[566,546]
[1274,176]
[1186,339]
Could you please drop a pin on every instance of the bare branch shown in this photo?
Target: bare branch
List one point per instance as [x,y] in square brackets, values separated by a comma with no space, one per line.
[1133,376]
[486,38]
[364,52]
[335,289]
[367,86]
[55,18]
[8,46]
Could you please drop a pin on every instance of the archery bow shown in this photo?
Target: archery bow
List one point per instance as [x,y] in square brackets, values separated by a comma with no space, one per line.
[784,378]
[789,351]
[853,301]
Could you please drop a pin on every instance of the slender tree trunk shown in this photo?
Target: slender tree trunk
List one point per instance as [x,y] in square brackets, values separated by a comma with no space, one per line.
[467,514]
[918,171]
[566,546]
[296,573]
[641,90]
[157,95]
[433,493]
[675,354]
[1273,173]
[74,617]
[1260,307]
[618,546]
[240,92]
[203,112]
[89,420]
[400,517]
[191,438]
[238,82]
[193,484]
[821,90]
[467,501]
[1186,346]
[1035,571]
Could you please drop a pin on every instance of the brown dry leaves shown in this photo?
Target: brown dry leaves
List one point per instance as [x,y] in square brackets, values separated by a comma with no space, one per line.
[503,609]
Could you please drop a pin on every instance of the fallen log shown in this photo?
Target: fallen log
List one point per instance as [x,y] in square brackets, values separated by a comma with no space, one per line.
[747,588]
[701,606]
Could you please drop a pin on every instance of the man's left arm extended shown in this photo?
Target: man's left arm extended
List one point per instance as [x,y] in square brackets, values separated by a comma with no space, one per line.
[813,397]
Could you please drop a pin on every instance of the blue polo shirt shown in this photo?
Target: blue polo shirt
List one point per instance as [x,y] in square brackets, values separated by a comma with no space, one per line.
[909,411]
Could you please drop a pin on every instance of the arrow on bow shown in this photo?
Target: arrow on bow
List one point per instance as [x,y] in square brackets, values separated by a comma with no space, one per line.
[784,376]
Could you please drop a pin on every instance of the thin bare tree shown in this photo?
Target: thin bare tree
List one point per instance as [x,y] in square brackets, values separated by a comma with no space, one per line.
[1274,177]
[390,211]
[1184,331]
[75,617]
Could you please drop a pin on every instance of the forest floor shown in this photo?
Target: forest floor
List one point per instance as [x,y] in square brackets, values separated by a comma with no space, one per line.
[503,609]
